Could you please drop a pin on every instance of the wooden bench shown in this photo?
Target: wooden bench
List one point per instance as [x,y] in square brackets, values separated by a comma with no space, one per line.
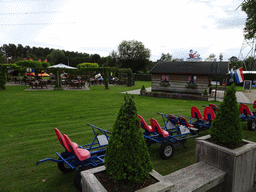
[197,177]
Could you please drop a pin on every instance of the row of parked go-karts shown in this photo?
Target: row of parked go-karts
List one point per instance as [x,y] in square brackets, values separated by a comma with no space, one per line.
[175,132]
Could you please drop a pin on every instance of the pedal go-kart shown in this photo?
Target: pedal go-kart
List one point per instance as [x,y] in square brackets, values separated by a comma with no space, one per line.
[82,157]
[173,135]
[247,115]
[202,122]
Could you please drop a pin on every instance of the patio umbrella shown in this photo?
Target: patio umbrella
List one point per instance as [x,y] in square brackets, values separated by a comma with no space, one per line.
[61,66]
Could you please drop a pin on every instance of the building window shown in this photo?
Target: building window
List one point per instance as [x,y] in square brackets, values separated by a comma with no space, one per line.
[191,82]
[192,79]
[165,81]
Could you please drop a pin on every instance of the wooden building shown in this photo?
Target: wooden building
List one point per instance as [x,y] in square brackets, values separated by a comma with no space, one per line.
[186,77]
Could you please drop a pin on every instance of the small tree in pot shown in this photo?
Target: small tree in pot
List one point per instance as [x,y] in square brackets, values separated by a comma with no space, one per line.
[227,128]
[143,90]
[127,158]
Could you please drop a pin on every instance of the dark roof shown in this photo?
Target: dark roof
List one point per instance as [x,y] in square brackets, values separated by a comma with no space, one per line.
[187,67]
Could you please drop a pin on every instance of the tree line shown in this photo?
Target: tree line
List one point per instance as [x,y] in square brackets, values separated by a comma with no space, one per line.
[131,54]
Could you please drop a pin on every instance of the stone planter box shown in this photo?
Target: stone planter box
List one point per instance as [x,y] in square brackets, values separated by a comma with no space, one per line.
[239,164]
[91,184]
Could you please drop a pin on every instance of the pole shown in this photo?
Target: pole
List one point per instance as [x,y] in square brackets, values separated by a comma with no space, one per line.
[217,70]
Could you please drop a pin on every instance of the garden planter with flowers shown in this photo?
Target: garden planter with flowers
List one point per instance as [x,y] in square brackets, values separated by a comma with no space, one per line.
[225,149]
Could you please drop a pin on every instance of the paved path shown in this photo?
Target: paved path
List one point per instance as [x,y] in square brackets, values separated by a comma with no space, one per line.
[247,97]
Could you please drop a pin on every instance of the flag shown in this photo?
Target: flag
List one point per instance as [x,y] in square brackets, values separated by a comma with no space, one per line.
[39,60]
[231,72]
[45,60]
[24,59]
[239,75]
[30,59]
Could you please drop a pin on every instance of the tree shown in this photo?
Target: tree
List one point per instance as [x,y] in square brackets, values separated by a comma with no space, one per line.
[133,54]
[165,57]
[221,57]
[249,7]
[212,57]
[95,58]
[250,64]
[127,158]
[2,58]
[233,58]
[57,56]
[227,128]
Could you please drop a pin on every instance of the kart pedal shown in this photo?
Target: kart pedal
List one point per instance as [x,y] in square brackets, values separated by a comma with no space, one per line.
[193,129]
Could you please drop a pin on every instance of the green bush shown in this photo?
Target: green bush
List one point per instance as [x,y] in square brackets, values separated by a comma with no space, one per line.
[205,92]
[143,88]
[127,158]
[227,128]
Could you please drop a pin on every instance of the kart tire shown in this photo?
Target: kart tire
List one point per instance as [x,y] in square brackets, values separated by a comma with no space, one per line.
[251,125]
[78,177]
[166,150]
[63,167]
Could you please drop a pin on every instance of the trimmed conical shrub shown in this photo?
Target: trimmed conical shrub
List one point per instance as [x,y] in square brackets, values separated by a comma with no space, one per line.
[127,158]
[227,128]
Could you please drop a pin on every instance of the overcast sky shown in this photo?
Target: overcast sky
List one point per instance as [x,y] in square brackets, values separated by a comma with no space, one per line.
[99,26]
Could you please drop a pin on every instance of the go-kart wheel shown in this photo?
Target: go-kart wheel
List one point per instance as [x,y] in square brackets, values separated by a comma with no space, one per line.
[63,167]
[78,177]
[251,124]
[78,182]
[166,150]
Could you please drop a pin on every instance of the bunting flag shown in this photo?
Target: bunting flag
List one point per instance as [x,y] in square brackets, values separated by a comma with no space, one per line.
[39,60]
[232,72]
[30,59]
[24,59]
[45,60]
[239,75]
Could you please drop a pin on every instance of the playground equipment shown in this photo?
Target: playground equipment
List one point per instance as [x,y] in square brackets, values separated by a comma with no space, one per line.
[202,122]
[82,157]
[247,115]
[175,135]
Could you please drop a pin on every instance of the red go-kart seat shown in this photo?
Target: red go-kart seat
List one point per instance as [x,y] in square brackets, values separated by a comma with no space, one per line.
[144,125]
[63,141]
[157,128]
[82,154]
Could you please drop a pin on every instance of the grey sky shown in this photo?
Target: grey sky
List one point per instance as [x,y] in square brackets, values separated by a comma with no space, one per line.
[99,26]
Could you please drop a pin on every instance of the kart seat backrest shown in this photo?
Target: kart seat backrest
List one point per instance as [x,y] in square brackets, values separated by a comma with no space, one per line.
[81,154]
[213,106]
[183,121]
[195,113]
[254,104]
[173,119]
[244,109]
[157,128]
[209,114]
[144,125]
[62,140]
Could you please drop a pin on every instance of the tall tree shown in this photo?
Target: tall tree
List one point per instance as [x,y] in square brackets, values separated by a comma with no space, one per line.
[133,54]
[165,57]
[57,56]
[249,7]
[221,57]
[212,57]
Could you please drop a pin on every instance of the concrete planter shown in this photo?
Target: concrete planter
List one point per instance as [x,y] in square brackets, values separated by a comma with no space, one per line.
[91,184]
[239,164]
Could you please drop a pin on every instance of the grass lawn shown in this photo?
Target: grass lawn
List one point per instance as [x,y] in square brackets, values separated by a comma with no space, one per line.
[28,119]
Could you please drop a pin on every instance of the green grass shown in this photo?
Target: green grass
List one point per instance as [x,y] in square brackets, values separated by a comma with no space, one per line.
[28,119]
